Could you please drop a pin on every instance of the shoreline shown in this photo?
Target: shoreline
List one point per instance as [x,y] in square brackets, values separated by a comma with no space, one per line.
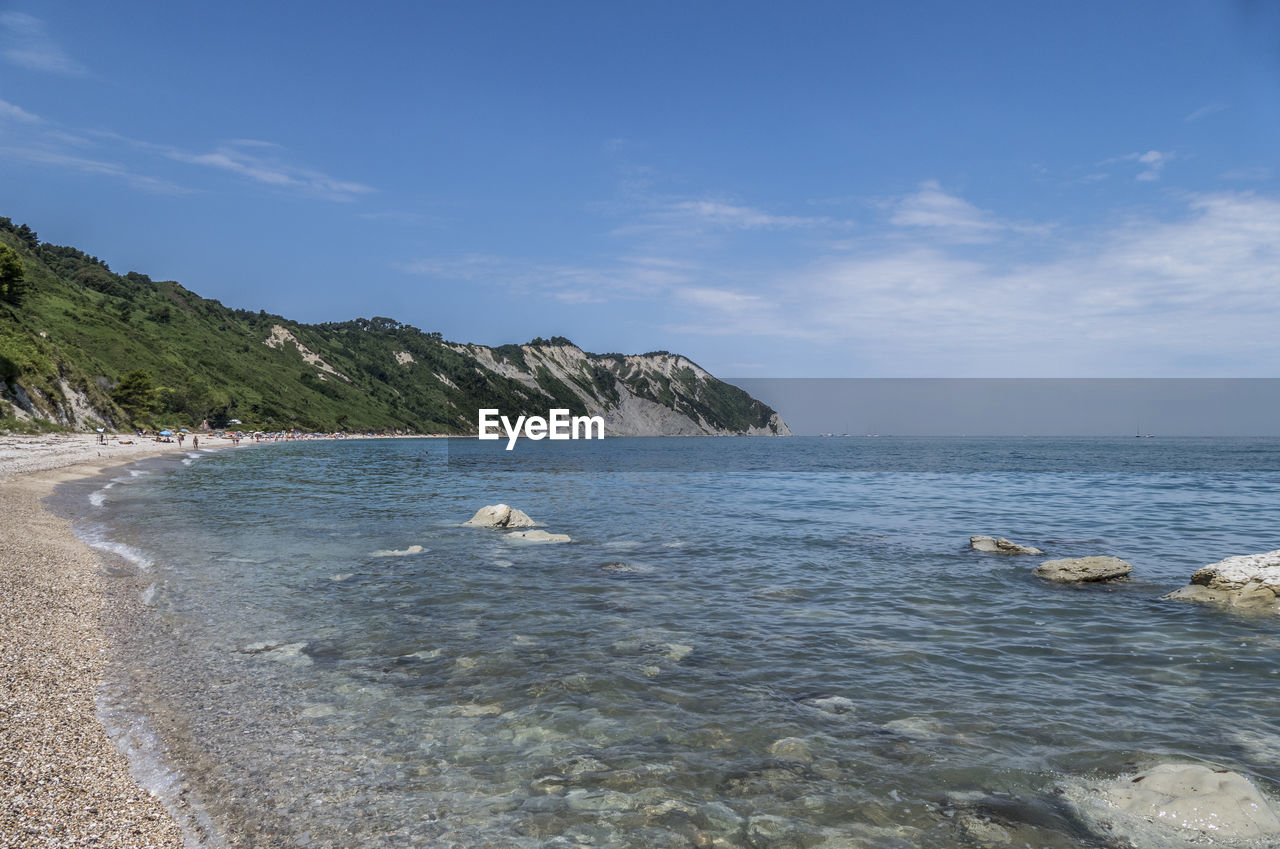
[63,781]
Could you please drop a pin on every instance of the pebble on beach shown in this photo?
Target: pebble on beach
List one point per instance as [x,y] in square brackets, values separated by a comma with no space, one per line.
[62,781]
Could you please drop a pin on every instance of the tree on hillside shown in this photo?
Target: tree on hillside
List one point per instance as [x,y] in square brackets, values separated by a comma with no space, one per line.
[136,395]
[13,284]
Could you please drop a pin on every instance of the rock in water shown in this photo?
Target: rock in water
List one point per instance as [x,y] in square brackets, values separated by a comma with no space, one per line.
[500,516]
[1078,570]
[1249,581]
[539,536]
[1000,545]
[792,749]
[1191,797]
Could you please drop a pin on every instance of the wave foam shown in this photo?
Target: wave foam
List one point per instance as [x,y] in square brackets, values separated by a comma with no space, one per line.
[97,538]
[133,734]
[97,499]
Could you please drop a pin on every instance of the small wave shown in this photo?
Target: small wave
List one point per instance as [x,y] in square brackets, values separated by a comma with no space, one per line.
[98,539]
[405,552]
[137,473]
[194,455]
[148,595]
[97,499]
[134,735]
[187,461]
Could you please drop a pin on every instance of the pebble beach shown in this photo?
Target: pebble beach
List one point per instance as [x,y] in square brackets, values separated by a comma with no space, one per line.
[63,782]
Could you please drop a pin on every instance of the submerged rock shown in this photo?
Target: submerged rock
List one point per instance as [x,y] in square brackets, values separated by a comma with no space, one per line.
[474,710]
[916,727]
[1000,545]
[289,653]
[538,536]
[794,749]
[1080,570]
[675,652]
[1250,581]
[1191,797]
[831,704]
[500,516]
[397,552]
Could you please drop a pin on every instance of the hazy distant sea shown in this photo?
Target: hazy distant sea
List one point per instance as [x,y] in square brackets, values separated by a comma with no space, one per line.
[761,642]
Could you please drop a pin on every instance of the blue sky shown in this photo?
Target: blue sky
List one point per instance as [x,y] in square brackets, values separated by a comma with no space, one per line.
[785,190]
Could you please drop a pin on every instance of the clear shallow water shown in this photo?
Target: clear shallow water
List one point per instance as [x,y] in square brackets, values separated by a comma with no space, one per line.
[764,643]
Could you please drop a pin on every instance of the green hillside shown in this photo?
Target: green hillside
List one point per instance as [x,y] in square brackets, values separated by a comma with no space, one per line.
[82,345]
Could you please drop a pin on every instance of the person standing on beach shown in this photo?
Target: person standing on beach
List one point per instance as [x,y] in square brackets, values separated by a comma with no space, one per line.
[195,443]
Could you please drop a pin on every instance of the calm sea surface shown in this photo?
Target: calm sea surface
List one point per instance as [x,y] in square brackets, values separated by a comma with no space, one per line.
[749,642]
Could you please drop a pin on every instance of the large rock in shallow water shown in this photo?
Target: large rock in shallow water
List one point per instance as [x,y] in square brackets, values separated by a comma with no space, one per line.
[500,516]
[1250,581]
[1000,545]
[1195,798]
[1077,570]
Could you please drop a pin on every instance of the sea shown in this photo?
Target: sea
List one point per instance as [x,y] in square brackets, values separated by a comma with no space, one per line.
[749,642]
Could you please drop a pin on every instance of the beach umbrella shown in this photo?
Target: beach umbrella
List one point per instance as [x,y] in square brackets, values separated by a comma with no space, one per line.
[166,433]
[183,430]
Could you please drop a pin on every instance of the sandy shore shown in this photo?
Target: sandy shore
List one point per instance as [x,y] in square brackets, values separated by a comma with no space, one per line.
[62,781]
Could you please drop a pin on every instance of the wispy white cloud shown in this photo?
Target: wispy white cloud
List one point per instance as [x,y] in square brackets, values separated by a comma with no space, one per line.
[1206,111]
[89,165]
[622,279]
[952,218]
[236,158]
[1190,296]
[34,138]
[946,214]
[1152,163]
[10,112]
[937,290]
[469,266]
[737,216]
[1255,174]
[27,44]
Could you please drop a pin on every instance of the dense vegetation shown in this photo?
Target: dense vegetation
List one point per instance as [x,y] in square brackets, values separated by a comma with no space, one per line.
[83,345]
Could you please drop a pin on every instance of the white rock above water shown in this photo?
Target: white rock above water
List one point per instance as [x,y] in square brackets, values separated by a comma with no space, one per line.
[500,516]
[538,536]
[1000,545]
[1191,797]
[1079,570]
[1248,580]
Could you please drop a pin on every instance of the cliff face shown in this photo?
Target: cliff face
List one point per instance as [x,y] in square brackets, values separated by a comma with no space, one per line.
[658,394]
[87,347]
